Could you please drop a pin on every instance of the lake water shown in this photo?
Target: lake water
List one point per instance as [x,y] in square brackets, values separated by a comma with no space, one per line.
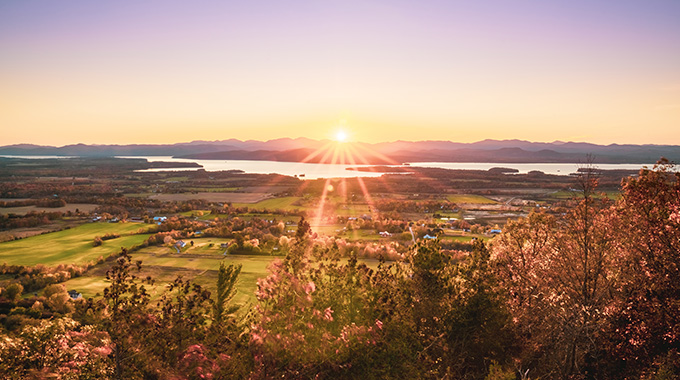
[547,168]
[310,171]
[314,171]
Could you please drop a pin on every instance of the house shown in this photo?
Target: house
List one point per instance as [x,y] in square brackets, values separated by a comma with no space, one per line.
[74,295]
[385,234]
[427,236]
[159,219]
[495,231]
[179,244]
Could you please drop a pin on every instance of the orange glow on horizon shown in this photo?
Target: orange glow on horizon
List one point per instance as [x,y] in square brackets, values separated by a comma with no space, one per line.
[343,153]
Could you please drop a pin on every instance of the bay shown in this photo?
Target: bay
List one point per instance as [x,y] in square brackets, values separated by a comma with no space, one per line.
[314,171]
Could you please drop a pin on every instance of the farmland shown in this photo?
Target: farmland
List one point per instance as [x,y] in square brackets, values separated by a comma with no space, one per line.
[71,246]
[198,263]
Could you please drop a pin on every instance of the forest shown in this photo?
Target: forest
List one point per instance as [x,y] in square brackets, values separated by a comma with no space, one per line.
[586,290]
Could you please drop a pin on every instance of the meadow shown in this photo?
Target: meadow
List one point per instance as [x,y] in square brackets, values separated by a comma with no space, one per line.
[470,198]
[73,245]
[198,263]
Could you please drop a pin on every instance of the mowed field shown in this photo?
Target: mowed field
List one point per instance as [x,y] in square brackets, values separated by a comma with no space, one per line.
[199,263]
[282,203]
[71,246]
[470,198]
[83,207]
[248,198]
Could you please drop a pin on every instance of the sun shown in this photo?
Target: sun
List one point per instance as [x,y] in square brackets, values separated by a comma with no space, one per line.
[341,136]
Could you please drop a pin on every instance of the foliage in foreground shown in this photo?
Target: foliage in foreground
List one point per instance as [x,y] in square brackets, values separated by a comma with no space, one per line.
[593,294]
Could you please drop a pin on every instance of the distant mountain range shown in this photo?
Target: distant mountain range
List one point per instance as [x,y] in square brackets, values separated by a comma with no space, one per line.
[303,149]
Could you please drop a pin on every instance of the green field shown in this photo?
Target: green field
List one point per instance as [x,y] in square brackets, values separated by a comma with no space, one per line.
[211,189]
[199,263]
[353,210]
[470,198]
[283,203]
[567,194]
[72,246]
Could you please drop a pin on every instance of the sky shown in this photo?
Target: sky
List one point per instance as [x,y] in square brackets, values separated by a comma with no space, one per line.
[120,72]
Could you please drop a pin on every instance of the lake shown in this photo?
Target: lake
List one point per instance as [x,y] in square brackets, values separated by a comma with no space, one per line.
[309,170]
[314,171]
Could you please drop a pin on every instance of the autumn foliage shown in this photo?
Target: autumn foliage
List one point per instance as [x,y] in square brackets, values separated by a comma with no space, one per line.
[590,294]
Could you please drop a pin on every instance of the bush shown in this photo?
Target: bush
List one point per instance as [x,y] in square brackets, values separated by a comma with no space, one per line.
[13,291]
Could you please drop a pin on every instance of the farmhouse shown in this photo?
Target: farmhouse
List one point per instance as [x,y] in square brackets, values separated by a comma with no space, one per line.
[159,219]
[74,295]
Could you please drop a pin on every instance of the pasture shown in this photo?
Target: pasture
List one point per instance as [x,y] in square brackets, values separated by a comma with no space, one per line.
[199,263]
[72,207]
[282,203]
[470,199]
[246,198]
[71,246]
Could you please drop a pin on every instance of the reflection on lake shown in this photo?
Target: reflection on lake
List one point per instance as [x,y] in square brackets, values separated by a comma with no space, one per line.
[547,168]
[302,170]
[314,171]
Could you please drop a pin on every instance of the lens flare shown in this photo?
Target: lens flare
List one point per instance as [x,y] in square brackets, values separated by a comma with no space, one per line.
[341,136]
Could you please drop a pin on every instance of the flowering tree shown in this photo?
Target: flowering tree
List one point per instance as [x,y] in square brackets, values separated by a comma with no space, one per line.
[314,315]
[559,274]
[646,328]
[59,348]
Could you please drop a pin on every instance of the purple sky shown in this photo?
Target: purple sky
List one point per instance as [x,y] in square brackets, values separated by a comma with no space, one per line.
[168,71]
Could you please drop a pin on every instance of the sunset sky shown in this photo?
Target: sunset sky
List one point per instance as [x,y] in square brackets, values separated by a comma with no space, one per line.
[173,71]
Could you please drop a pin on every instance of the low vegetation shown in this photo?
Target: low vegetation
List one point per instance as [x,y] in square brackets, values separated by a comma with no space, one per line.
[401,285]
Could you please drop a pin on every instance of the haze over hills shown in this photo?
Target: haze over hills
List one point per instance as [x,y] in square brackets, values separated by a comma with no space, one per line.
[300,149]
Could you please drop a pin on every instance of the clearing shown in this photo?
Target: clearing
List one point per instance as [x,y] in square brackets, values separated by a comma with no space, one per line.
[71,246]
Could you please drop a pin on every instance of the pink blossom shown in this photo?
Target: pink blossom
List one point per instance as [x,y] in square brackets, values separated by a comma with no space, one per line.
[310,287]
[328,314]
[103,351]
[378,323]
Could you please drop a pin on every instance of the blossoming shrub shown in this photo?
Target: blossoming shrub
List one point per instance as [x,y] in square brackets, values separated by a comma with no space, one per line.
[61,348]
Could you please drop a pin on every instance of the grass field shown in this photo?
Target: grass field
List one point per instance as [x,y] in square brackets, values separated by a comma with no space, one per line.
[72,246]
[470,198]
[353,210]
[199,263]
[84,207]
[283,203]
[247,198]
[212,189]
[566,194]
